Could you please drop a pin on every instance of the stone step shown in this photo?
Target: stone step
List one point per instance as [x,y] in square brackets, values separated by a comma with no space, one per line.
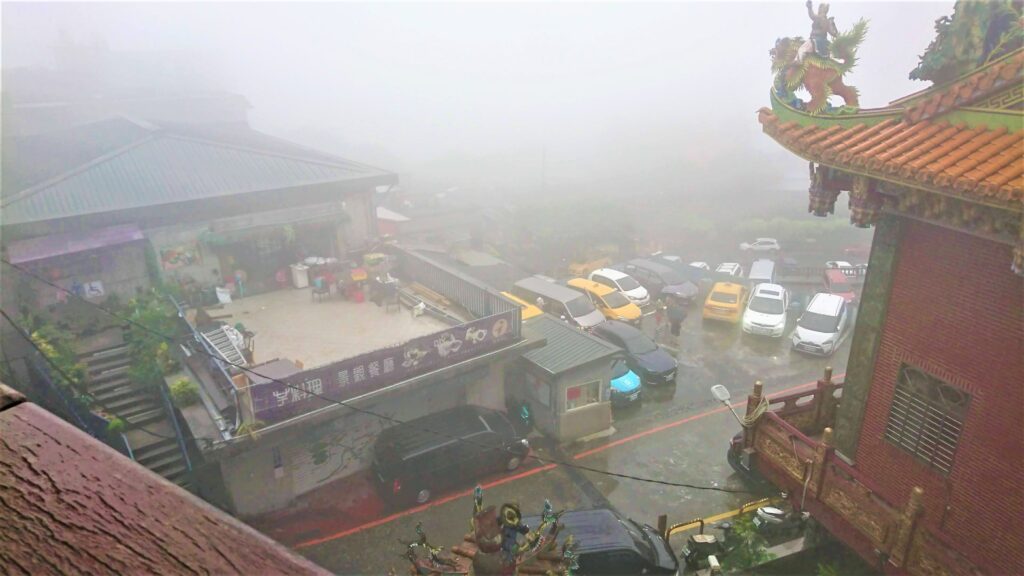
[145,417]
[166,463]
[103,355]
[155,448]
[129,405]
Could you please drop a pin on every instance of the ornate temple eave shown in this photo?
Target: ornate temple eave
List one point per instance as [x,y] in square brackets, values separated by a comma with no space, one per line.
[974,165]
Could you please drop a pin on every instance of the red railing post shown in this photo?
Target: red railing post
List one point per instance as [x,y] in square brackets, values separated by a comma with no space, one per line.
[823,400]
[753,401]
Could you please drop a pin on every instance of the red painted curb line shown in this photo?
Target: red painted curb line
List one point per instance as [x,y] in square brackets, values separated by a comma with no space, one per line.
[530,472]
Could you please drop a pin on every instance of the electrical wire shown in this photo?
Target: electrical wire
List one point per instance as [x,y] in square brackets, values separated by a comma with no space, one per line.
[71,381]
[541,459]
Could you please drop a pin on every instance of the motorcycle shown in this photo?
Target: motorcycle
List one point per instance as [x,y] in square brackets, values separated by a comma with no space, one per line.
[701,546]
[776,524]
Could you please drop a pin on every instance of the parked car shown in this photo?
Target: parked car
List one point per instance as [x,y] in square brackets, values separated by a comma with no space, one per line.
[762,270]
[761,245]
[559,300]
[822,326]
[414,460]
[653,365]
[701,265]
[660,279]
[624,283]
[612,303]
[725,302]
[730,268]
[766,311]
[625,384]
[609,543]
[837,283]
[529,310]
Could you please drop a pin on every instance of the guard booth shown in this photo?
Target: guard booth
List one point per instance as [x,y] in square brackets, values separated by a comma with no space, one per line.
[567,381]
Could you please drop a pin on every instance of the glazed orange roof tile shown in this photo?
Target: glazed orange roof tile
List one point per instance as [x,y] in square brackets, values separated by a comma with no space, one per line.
[985,164]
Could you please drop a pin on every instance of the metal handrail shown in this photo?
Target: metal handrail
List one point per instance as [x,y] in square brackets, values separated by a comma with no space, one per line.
[162,386]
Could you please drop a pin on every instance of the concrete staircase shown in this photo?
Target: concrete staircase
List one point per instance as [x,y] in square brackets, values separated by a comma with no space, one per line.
[149,431]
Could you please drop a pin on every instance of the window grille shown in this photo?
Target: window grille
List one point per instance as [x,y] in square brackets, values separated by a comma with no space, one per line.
[926,417]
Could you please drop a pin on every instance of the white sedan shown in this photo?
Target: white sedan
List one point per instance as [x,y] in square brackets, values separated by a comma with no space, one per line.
[761,245]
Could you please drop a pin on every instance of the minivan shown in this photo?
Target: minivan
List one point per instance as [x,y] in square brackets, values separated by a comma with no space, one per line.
[660,279]
[837,283]
[558,300]
[612,303]
[608,543]
[624,283]
[762,270]
[414,460]
[822,326]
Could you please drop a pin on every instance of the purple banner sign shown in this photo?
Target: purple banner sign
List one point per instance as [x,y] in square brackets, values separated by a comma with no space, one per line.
[273,401]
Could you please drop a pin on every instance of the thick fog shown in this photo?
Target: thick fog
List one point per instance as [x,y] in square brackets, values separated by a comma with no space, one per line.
[508,97]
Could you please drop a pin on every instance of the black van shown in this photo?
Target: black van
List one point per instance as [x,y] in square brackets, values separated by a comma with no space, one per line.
[416,459]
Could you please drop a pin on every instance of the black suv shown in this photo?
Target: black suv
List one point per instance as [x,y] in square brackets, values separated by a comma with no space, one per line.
[462,445]
[607,543]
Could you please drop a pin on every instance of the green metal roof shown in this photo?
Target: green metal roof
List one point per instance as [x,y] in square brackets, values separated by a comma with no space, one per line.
[165,167]
[567,347]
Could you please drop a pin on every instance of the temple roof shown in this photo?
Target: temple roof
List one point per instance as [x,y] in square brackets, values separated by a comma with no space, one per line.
[977,163]
[962,138]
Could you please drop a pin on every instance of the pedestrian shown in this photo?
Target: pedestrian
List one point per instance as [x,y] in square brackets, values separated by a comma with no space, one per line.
[676,315]
[659,317]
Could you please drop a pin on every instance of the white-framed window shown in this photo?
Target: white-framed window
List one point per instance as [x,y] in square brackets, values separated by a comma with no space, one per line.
[582,395]
[926,417]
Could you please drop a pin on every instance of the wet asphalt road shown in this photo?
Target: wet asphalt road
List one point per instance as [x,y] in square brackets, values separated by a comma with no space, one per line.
[679,434]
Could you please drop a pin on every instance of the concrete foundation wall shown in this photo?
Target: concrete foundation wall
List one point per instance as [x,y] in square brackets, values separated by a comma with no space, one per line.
[320,453]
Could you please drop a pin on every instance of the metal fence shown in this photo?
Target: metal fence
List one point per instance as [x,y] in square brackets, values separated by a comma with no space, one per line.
[477,298]
[219,369]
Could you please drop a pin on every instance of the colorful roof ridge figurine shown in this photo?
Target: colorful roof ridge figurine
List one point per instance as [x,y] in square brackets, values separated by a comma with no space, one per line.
[817,65]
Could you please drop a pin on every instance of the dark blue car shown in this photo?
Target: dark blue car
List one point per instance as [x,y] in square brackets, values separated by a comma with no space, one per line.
[654,365]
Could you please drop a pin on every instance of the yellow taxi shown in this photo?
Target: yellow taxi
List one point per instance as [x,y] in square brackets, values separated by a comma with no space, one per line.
[529,310]
[612,303]
[725,302]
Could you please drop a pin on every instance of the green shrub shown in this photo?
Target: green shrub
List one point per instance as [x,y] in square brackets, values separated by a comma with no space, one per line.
[116,426]
[184,393]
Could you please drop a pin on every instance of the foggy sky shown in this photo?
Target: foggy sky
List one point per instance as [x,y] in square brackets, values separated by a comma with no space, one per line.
[605,92]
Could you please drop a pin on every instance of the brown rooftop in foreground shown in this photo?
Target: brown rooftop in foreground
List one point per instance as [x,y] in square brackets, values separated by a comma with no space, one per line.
[70,504]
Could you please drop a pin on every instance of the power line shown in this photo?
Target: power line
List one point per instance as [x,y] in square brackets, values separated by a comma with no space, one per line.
[71,381]
[200,351]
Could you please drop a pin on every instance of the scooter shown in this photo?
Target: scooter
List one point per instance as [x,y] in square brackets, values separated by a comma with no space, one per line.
[774,523]
[700,546]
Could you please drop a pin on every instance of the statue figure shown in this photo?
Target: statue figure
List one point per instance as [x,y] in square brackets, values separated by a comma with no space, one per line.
[822,26]
[817,64]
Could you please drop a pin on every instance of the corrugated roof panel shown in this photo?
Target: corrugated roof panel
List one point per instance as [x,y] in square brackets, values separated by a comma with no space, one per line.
[169,169]
[567,347]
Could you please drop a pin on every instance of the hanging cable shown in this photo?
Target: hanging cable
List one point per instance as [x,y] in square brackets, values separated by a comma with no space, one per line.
[385,417]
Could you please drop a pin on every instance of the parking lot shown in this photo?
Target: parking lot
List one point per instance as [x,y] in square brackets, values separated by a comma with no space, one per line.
[678,434]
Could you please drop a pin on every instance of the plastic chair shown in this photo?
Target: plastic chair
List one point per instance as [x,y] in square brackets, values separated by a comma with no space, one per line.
[320,289]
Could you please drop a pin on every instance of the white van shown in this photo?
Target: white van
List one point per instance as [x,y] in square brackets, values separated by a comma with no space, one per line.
[823,325]
[558,300]
[762,270]
[624,283]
